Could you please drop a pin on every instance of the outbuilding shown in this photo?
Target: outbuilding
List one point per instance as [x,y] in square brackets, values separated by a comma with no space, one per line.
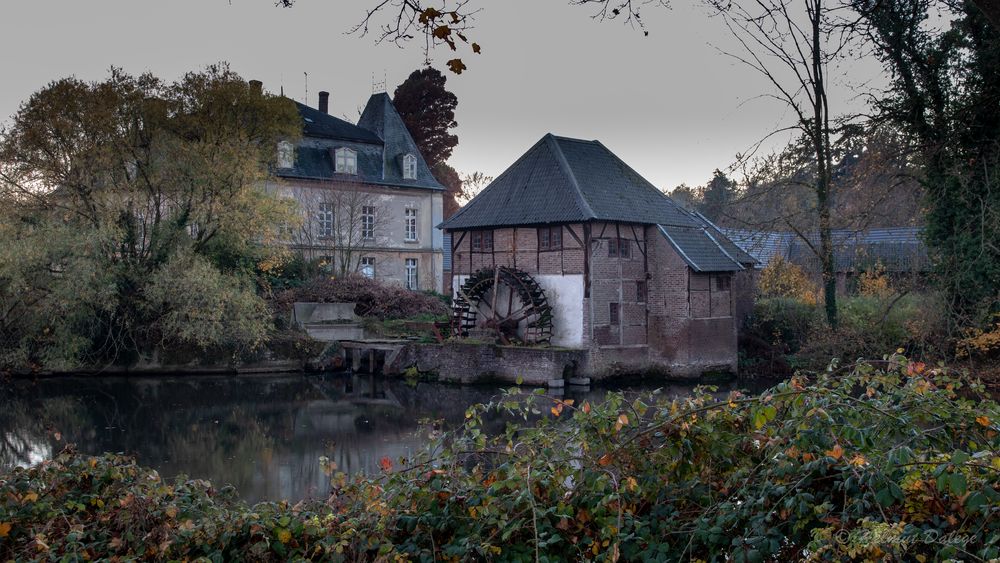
[571,247]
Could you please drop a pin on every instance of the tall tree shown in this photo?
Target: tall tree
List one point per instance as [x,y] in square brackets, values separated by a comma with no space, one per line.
[792,44]
[717,195]
[946,95]
[133,217]
[428,110]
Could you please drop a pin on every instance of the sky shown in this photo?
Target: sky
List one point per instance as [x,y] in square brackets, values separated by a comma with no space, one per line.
[672,105]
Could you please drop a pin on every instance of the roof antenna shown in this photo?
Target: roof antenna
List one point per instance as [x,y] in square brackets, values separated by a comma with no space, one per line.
[306,99]
[378,87]
[282,84]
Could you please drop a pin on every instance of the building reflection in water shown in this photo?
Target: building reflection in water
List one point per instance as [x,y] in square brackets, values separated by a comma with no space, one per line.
[262,434]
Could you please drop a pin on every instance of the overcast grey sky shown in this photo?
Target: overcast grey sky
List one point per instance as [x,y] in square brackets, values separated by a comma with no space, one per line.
[671,105]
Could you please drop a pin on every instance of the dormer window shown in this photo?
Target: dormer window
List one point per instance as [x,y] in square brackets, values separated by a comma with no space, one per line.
[409,167]
[286,155]
[346,161]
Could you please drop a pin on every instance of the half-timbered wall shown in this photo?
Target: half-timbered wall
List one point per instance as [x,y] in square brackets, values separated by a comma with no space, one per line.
[559,270]
[643,309]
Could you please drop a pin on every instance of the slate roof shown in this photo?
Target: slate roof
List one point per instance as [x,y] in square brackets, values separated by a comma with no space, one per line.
[381,127]
[700,249]
[318,124]
[380,117]
[897,249]
[563,180]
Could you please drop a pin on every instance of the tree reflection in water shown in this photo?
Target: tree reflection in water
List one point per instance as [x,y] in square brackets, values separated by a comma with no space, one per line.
[262,434]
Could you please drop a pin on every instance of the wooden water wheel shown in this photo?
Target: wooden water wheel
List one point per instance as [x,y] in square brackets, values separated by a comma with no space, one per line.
[503,301]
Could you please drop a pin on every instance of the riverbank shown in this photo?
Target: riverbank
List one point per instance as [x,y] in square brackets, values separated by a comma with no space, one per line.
[630,478]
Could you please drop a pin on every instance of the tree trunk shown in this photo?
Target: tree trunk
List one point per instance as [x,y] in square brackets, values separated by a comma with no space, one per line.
[820,127]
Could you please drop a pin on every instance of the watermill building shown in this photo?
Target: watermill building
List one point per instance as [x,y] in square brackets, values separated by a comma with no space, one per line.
[570,247]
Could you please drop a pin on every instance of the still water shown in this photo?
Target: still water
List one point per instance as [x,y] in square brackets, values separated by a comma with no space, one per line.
[262,434]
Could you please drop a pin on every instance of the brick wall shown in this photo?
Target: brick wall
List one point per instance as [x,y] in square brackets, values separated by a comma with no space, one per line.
[678,338]
[616,344]
[674,328]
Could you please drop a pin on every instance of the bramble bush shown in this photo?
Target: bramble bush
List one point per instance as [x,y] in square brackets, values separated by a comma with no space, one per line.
[882,460]
[374,298]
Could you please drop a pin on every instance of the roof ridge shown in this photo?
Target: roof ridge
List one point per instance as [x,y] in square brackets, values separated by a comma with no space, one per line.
[711,238]
[553,142]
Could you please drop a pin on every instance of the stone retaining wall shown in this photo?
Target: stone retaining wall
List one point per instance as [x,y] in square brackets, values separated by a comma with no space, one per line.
[480,363]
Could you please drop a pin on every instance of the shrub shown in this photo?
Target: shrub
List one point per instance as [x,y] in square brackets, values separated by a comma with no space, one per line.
[890,462]
[373,298]
[781,278]
[783,322]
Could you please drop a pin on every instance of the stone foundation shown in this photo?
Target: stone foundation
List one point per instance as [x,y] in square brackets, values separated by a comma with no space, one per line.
[482,363]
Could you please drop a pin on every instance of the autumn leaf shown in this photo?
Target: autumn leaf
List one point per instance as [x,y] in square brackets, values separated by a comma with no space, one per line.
[476,48]
[585,407]
[428,15]
[556,410]
[622,421]
[915,368]
[456,66]
[858,460]
[836,452]
[30,497]
[983,420]
[385,463]
[604,460]
[441,32]
[284,536]
[4,529]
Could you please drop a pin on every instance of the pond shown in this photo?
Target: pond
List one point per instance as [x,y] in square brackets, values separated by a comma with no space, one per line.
[263,434]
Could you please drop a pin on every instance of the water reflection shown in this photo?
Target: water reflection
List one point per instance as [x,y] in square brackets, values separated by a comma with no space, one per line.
[262,434]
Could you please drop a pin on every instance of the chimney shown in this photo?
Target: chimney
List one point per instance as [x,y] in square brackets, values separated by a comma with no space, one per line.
[256,86]
[324,102]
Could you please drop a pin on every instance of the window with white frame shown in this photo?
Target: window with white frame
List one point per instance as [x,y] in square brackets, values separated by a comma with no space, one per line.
[368,222]
[324,221]
[368,267]
[409,167]
[410,226]
[411,273]
[346,160]
[286,155]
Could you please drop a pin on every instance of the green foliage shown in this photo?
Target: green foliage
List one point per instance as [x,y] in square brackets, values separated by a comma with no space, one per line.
[783,321]
[943,95]
[794,329]
[196,305]
[133,216]
[889,458]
